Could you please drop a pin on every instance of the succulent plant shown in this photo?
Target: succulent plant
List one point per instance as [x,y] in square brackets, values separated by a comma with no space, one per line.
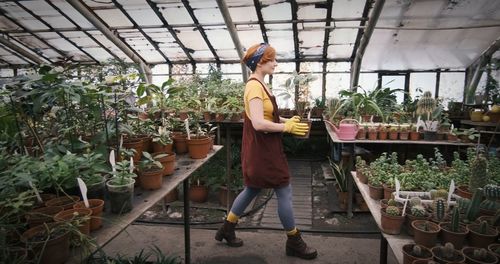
[463,204]
[417,251]
[473,208]
[480,254]
[483,227]
[392,202]
[418,211]
[491,192]
[393,211]
[439,208]
[479,175]
[455,219]
[415,201]
[448,250]
[426,104]
[441,193]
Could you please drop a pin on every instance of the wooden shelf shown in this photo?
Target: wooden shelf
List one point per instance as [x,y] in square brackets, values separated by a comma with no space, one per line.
[396,242]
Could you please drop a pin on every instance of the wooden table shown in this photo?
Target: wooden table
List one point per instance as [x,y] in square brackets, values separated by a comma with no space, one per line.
[114,224]
[350,144]
[395,241]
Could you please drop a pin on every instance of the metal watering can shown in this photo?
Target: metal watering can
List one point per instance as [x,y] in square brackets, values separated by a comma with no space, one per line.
[347,131]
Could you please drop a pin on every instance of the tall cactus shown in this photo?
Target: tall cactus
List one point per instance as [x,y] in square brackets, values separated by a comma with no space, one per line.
[426,104]
[483,227]
[439,207]
[479,175]
[455,220]
[448,250]
[473,208]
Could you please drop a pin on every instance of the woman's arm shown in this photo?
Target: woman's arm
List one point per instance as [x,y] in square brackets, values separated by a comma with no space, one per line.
[257,118]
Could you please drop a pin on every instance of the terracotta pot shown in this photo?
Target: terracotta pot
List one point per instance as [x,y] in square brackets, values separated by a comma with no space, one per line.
[469,256]
[391,224]
[493,248]
[456,238]
[404,135]
[73,214]
[440,136]
[388,192]
[207,116]
[183,115]
[451,138]
[382,135]
[409,219]
[458,257]
[372,135]
[376,193]
[42,215]
[414,136]
[180,144]
[158,147]
[171,196]
[147,142]
[361,134]
[136,144]
[168,163]
[65,202]
[409,258]
[423,237]
[222,195]
[362,177]
[393,135]
[220,117]
[96,205]
[343,197]
[477,239]
[55,250]
[235,117]
[45,197]
[463,191]
[198,147]
[151,179]
[360,202]
[212,140]
[198,193]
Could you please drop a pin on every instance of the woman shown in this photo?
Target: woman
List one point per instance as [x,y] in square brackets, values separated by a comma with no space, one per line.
[263,161]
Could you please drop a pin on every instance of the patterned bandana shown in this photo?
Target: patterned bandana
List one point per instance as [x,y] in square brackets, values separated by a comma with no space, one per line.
[252,62]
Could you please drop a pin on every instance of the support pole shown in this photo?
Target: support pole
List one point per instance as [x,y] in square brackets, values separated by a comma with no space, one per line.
[21,51]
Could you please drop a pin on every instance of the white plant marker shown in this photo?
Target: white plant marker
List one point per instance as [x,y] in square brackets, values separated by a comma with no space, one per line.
[83,190]
[112,160]
[186,124]
[121,141]
[131,165]
[404,206]
[38,197]
[398,186]
[451,190]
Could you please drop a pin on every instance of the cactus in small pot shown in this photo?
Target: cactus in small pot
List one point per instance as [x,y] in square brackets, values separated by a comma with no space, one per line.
[439,209]
[418,211]
[392,202]
[483,227]
[393,211]
[448,250]
[479,174]
[415,201]
[480,254]
[473,208]
[455,220]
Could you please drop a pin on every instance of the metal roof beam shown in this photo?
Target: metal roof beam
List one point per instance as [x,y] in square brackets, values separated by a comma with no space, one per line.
[92,18]
[258,10]
[201,30]
[234,34]
[20,51]
[136,26]
[363,43]
[80,29]
[50,27]
[329,6]
[295,9]
[366,11]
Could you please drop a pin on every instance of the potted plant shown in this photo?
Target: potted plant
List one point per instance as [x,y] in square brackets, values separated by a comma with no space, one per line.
[453,232]
[234,106]
[426,232]
[469,135]
[490,205]
[429,111]
[417,212]
[362,132]
[447,254]
[49,242]
[481,235]
[391,220]
[96,205]
[42,215]
[495,249]
[199,144]
[382,132]
[319,107]
[121,188]
[404,132]
[372,133]
[92,168]
[151,171]
[162,142]
[476,255]
[339,173]
[375,187]
[65,202]
[414,134]
[362,170]
[80,218]
[393,133]
[439,208]
[412,252]
[452,135]
[198,191]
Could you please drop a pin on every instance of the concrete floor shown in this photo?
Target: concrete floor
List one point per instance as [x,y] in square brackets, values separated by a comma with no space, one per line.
[261,247]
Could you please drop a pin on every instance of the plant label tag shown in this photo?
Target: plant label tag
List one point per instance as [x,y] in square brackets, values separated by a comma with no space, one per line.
[38,197]
[112,160]
[398,186]
[451,190]
[186,124]
[121,141]
[131,165]
[406,202]
[83,190]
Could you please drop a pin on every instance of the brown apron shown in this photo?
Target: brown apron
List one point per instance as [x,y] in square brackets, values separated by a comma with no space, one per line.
[263,160]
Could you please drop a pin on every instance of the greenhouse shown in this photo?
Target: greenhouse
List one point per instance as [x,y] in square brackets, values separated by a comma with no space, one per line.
[249,131]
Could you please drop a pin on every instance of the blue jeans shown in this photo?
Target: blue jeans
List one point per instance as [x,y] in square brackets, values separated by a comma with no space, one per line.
[285,210]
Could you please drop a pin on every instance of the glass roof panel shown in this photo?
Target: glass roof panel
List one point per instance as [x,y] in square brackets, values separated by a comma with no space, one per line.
[338,66]
[6,24]
[243,14]
[250,37]
[80,38]
[307,67]
[191,39]
[335,82]
[219,37]
[47,13]
[285,67]
[230,68]
[160,69]
[228,54]
[21,16]
[347,8]
[282,41]
[311,12]
[202,55]
[93,3]
[75,15]
[279,11]
[340,51]
[108,44]
[311,38]
[142,14]
[113,17]
[208,15]
[99,54]
[343,36]
[174,53]
[175,13]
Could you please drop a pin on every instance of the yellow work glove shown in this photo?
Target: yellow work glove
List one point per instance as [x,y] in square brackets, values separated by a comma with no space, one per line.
[296,118]
[296,128]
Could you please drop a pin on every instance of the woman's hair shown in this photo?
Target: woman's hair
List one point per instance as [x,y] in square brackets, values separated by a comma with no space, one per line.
[269,54]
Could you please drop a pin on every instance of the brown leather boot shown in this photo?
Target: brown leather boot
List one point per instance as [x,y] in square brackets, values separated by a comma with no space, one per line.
[226,232]
[296,247]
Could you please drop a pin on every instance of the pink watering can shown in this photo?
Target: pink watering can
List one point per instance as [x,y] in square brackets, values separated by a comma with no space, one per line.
[346,131]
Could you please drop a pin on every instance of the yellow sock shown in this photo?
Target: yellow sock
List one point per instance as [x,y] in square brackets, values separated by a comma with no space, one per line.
[292,232]
[231,217]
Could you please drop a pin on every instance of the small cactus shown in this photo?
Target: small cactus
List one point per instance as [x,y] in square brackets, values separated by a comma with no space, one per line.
[415,201]
[479,174]
[473,207]
[441,193]
[393,211]
[448,250]
[417,251]
[480,254]
[439,207]
[455,220]
[463,204]
[418,211]
[483,227]
[392,202]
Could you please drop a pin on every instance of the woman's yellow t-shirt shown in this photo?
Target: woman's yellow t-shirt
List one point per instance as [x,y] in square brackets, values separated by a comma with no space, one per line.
[254,89]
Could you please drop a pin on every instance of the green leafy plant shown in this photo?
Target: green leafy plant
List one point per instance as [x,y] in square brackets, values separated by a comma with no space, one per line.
[123,174]
[339,173]
[162,136]
[148,162]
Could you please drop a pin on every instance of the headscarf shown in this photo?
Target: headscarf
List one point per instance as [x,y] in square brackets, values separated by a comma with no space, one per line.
[252,62]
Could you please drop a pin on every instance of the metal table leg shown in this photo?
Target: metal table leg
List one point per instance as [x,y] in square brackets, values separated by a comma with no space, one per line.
[187,236]
[383,250]
[350,185]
